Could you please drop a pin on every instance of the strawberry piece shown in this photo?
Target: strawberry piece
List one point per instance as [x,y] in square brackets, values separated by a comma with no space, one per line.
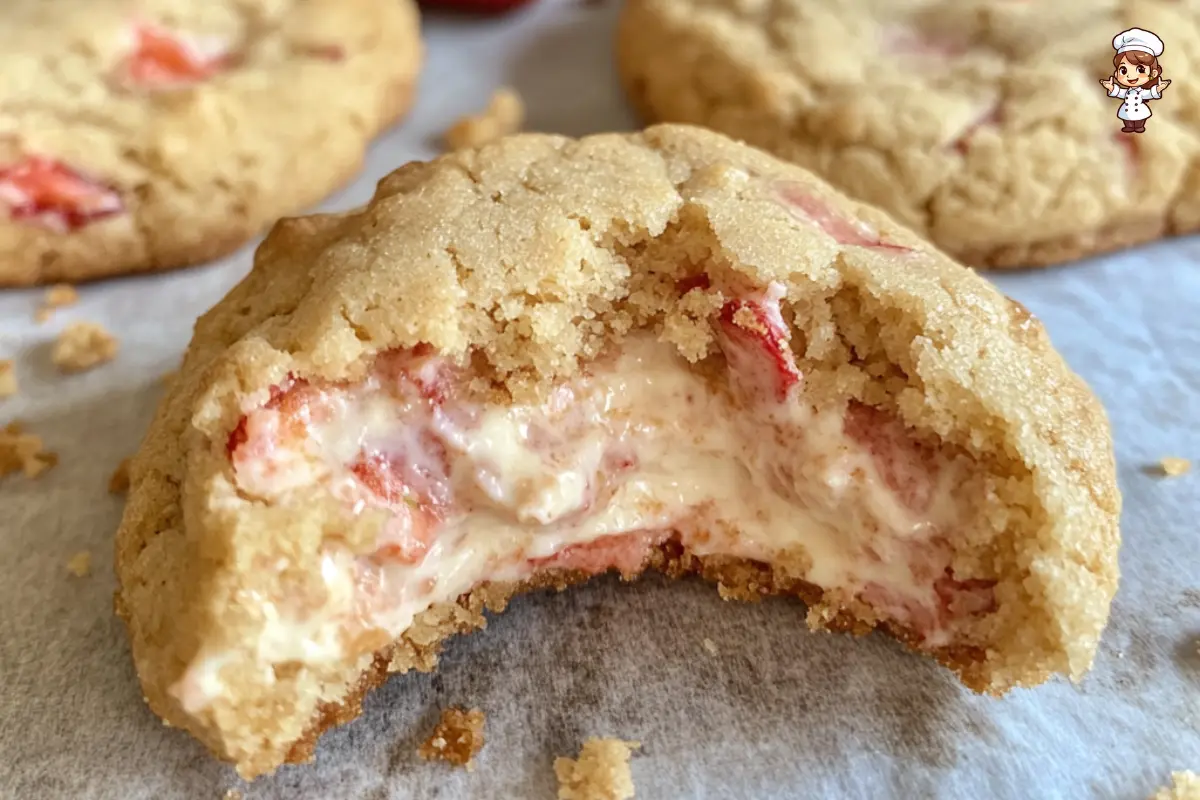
[906,466]
[414,474]
[162,59]
[911,42]
[808,207]
[45,192]
[754,338]
[967,598]
[281,421]
[626,552]
[324,52]
[905,610]
[476,6]
[1130,156]
[989,118]
[417,369]
[416,488]
[698,281]
[408,535]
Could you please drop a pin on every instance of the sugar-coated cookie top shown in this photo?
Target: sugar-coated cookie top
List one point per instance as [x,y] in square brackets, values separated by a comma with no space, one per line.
[980,124]
[139,134]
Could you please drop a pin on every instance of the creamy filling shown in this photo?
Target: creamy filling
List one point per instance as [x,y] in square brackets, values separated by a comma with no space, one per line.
[640,448]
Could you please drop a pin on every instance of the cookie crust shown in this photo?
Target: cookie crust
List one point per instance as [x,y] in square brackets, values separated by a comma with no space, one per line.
[532,255]
[188,172]
[978,124]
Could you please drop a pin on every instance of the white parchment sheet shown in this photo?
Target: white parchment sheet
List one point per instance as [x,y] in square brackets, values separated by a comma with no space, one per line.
[775,713]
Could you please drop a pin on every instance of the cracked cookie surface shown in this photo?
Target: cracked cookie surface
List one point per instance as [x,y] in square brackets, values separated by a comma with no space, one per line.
[140,135]
[980,124]
[274,563]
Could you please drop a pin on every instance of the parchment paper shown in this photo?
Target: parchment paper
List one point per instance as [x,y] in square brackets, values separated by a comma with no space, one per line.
[776,713]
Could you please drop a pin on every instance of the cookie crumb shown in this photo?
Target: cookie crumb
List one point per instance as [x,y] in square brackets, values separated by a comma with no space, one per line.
[710,646]
[80,564]
[600,773]
[232,794]
[457,738]
[61,294]
[83,345]
[23,452]
[503,116]
[1184,786]
[8,378]
[1174,467]
[57,296]
[119,482]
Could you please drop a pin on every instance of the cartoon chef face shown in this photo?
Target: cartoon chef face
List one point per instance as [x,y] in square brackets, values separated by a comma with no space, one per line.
[1135,68]
[1136,61]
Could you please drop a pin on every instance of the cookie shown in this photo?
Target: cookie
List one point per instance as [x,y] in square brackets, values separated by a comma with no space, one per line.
[541,360]
[140,135]
[979,124]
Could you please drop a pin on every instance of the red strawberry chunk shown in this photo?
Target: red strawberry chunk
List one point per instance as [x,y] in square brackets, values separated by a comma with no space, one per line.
[754,338]
[162,59]
[45,192]
[908,41]
[905,610]
[967,598]
[1130,157]
[626,552]
[810,208]
[408,535]
[415,486]
[906,466]
[325,52]
[415,472]
[418,368]
[989,118]
[697,281]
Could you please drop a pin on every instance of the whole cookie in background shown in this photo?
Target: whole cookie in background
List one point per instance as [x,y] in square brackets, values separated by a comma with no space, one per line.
[140,135]
[980,124]
[544,359]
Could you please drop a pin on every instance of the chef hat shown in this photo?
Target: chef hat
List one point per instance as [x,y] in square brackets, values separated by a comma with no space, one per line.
[1138,39]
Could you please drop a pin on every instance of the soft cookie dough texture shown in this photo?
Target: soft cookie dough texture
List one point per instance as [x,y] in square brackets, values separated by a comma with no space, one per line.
[524,261]
[978,123]
[141,135]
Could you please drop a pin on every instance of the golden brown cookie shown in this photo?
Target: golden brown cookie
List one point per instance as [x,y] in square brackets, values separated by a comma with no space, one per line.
[144,135]
[526,364]
[979,124]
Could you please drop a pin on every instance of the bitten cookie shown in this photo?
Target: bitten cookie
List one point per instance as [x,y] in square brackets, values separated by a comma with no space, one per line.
[980,124]
[141,135]
[544,359]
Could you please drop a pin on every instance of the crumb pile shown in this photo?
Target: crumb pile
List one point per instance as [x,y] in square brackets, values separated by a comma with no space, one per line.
[600,773]
[58,296]
[1184,786]
[457,739]
[80,564]
[23,452]
[8,378]
[1173,467]
[503,116]
[82,346]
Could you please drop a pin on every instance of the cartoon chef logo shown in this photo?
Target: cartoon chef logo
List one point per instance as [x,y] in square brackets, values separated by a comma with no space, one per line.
[1137,77]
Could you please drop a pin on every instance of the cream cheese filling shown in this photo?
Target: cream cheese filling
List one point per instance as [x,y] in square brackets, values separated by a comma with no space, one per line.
[640,448]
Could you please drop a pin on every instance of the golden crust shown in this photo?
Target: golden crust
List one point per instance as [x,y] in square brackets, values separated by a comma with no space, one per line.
[532,254]
[972,147]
